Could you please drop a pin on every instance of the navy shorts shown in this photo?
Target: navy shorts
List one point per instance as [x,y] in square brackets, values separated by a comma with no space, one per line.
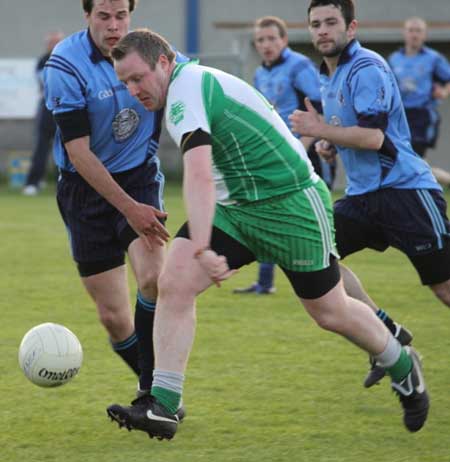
[424,126]
[99,234]
[413,221]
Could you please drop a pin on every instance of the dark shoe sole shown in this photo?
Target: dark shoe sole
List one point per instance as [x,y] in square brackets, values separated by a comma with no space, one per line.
[405,337]
[374,376]
[270,291]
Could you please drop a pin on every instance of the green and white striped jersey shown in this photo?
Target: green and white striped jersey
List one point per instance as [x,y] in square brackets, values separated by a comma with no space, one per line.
[255,156]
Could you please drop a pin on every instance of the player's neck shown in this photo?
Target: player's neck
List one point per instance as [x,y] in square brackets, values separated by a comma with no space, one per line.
[412,50]
[332,63]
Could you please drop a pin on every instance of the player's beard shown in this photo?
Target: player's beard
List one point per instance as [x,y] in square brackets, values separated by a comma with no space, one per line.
[339,46]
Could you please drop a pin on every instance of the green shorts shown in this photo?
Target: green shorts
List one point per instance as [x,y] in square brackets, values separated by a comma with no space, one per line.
[295,230]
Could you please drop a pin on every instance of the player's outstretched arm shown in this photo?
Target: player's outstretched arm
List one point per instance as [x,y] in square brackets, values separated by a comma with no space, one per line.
[310,123]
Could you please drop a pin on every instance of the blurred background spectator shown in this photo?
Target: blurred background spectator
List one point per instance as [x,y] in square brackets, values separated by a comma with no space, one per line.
[44,126]
[423,76]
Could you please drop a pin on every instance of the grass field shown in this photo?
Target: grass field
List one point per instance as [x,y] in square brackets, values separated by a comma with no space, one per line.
[264,383]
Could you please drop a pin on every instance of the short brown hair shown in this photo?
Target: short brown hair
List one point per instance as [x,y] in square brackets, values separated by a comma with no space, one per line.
[147,44]
[89,4]
[269,21]
[346,6]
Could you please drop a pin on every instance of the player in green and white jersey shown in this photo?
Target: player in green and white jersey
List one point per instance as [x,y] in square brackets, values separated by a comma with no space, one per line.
[250,194]
[255,162]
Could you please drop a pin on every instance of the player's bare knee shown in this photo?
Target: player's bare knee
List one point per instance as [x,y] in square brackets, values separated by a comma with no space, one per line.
[115,329]
[326,319]
[175,285]
[108,321]
[115,323]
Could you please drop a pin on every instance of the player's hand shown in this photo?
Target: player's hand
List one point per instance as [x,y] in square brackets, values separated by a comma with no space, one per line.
[143,219]
[326,150]
[307,123]
[440,91]
[216,266]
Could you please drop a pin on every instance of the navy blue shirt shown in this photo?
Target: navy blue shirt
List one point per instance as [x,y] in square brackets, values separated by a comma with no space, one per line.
[287,81]
[364,92]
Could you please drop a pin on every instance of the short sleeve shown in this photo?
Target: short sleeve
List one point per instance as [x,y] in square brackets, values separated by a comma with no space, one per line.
[65,87]
[306,80]
[185,107]
[442,70]
[371,90]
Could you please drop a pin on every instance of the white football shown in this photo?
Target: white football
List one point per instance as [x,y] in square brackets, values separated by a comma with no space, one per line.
[50,355]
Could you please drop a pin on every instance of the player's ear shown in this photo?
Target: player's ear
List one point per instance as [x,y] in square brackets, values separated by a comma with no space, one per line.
[351,29]
[163,61]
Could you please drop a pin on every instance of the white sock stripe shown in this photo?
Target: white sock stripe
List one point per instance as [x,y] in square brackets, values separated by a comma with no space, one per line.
[391,353]
[172,381]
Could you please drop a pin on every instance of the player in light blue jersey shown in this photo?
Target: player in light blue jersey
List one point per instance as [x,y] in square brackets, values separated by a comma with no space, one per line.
[285,78]
[110,187]
[423,75]
[392,198]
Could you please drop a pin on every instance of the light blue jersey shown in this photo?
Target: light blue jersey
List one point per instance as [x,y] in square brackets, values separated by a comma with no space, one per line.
[287,81]
[79,79]
[363,91]
[416,75]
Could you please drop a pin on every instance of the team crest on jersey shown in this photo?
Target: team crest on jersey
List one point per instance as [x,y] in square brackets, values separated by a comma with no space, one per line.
[408,84]
[176,113]
[125,124]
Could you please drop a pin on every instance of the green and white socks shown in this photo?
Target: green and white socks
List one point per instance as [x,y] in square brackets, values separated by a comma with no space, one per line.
[167,388]
[395,359]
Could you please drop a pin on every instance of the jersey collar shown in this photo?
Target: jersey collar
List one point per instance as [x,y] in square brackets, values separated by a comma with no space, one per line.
[280,60]
[403,51]
[179,66]
[96,55]
[347,53]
